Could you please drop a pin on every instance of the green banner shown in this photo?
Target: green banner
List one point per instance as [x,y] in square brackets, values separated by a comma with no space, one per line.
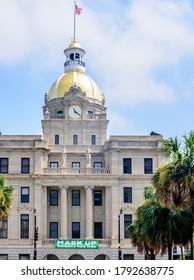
[76,244]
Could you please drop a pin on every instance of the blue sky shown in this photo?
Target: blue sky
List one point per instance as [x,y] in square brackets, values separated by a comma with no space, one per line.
[139,52]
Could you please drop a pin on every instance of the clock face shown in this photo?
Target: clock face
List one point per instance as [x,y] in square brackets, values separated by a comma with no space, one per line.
[75,112]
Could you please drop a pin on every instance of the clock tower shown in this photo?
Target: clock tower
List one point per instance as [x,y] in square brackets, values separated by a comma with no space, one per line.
[74,109]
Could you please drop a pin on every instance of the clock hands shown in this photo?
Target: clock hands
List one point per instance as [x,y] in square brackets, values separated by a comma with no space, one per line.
[76,112]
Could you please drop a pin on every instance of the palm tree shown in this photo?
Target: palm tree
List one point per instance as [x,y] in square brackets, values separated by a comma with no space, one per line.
[174,181]
[158,228]
[139,240]
[6,199]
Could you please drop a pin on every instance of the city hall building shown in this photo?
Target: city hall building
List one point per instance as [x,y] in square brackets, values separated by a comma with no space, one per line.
[73,187]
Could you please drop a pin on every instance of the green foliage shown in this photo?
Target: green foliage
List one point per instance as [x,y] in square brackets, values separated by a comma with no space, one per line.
[174,181]
[156,227]
[6,198]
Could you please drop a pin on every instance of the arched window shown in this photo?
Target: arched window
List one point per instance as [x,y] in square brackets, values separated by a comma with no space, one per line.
[72,56]
[77,56]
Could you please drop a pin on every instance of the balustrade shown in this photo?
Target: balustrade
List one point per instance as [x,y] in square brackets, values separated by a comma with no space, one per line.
[93,171]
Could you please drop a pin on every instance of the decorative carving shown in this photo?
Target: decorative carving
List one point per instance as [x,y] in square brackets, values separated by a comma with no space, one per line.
[24,208]
[129,208]
[74,90]
[64,157]
[88,156]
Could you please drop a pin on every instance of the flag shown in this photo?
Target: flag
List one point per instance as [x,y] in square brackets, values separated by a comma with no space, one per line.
[78,10]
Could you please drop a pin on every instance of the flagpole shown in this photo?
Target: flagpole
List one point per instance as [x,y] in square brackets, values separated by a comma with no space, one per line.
[74,21]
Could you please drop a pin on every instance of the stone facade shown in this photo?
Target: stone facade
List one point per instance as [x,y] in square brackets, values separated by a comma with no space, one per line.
[77,180]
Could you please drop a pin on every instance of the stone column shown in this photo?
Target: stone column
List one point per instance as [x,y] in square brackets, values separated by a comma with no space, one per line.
[108,210]
[38,207]
[64,212]
[44,212]
[89,213]
[114,195]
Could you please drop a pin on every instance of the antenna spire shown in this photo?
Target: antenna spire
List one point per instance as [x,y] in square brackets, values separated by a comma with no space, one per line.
[77,11]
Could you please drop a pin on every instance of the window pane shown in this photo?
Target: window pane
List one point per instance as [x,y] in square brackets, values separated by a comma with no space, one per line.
[127,222]
[97,198]
[56,139]
[127,165]
[97,164]
[77,56]
[53,164]
[93,139]
[24,194]
[76,197]
[53,229]
[148,165]
[75,140]
[127,195]
[76,166]
[53,197]
[3,228]
[24,257]
[72,56]
[25,165]
[3,257]
[4,165]
[97,230]
[24,226]
[75,230]
[90,114]
[97,168]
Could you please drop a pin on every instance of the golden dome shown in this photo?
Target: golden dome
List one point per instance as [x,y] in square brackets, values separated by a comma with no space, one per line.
[70,79]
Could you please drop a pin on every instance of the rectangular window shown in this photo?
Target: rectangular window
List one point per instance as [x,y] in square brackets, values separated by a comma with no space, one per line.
[54,164]
[24,228]
[59,112]
[4,163]
[97,230]
[90,114]
[76,230]
[148,165]
[97,164]
[127,166]
[56,139]
[24,257]
[97,198]
[25,165]
[75,140]
[127,222]
[76,167]
[3,229]
[93,139]
[127,192]
[3,256]
[25,194]
[75,197]
[97,167]
[53,197]
[53,229]
[128,256]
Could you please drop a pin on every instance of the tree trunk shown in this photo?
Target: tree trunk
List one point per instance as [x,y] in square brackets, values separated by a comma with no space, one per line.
[152,255]
[170,251]
[181,252]
[192,233]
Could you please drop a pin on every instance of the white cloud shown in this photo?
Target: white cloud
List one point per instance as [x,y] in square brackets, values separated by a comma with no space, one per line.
[124,45]
[158,35]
